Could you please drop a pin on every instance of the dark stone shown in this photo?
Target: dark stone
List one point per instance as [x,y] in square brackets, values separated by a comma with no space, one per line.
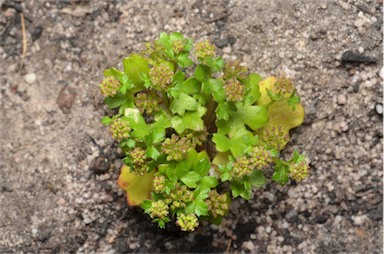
[356,87]
[36,33]
[376,214]
[232,39]
[66,98]
[321,219]
[242,231]
[291,215]
[44,236]
[100,165]
[353,57]
[222,43]
[122,246]
[332,197]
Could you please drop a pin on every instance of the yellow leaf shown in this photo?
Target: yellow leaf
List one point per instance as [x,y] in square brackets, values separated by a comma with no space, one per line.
[279,112]
[138,187]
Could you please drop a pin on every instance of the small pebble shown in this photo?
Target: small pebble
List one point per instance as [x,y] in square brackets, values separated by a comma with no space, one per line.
[359,23]
[249,245]
[341,99]
[30,78]
[379,108]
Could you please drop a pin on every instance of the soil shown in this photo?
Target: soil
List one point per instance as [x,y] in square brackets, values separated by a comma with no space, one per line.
[59,165]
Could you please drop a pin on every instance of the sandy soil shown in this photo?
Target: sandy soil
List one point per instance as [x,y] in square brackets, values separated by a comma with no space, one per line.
[59,166]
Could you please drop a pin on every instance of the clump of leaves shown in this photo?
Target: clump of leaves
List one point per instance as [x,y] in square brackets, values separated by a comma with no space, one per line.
[198,131]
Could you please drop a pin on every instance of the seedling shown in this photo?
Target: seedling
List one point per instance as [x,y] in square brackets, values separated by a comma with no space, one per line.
[198,131]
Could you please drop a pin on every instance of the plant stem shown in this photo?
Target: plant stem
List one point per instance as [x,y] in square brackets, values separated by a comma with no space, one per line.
[209,117]
[166,102]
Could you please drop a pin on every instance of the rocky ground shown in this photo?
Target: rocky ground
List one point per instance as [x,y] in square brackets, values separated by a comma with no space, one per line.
[59,165]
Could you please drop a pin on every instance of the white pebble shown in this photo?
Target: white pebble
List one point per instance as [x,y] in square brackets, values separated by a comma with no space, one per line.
[30,78]
[341,99]
[379,109]
[249,245]
[359,23]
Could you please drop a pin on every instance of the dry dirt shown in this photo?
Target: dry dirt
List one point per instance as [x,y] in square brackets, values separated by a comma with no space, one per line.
[59,165]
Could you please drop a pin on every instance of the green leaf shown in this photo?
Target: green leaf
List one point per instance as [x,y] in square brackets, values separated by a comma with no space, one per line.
[201,208]
[214,87]
[191,120]
[257,179]
[183,60]
[226,177]
[241,140]
[146,205]
[253,116]
[189,86]
[190,179]
[182,168]
[221,141]
[273,96]
[176,36]
[293,100]
[137,123]
[130,143]
[224,110]
[113,72]
[135,66]
[252,87]
[183,103]
[208,182]
[202,167]
[106,120]
[216,64]
[239,189]
[117,100]
[201,73]
[281,174]
[179,77]
[153,153]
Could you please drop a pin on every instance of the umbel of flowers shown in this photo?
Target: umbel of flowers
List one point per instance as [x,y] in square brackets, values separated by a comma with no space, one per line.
[198,131]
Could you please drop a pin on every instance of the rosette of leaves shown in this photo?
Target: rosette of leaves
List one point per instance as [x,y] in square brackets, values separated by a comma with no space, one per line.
[198,131]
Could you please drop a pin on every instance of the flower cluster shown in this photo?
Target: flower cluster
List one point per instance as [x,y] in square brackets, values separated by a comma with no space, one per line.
[217,204]
[138,159]
[120,129]
[274,137]
[161,76]
[175,147]
[148,102]
[197,138]
[241,167]
[178,46]
[234,90]
[109,86]
[260,158]
[204,49]
[159,184]
[187,222]
[179,197]
[284,85]
[234,70]
[159,209]
[298,171]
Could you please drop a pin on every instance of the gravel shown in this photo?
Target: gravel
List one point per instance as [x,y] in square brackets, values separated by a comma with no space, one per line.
[59,164]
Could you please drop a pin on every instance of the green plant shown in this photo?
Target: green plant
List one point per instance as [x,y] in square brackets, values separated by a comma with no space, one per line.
[198,131]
